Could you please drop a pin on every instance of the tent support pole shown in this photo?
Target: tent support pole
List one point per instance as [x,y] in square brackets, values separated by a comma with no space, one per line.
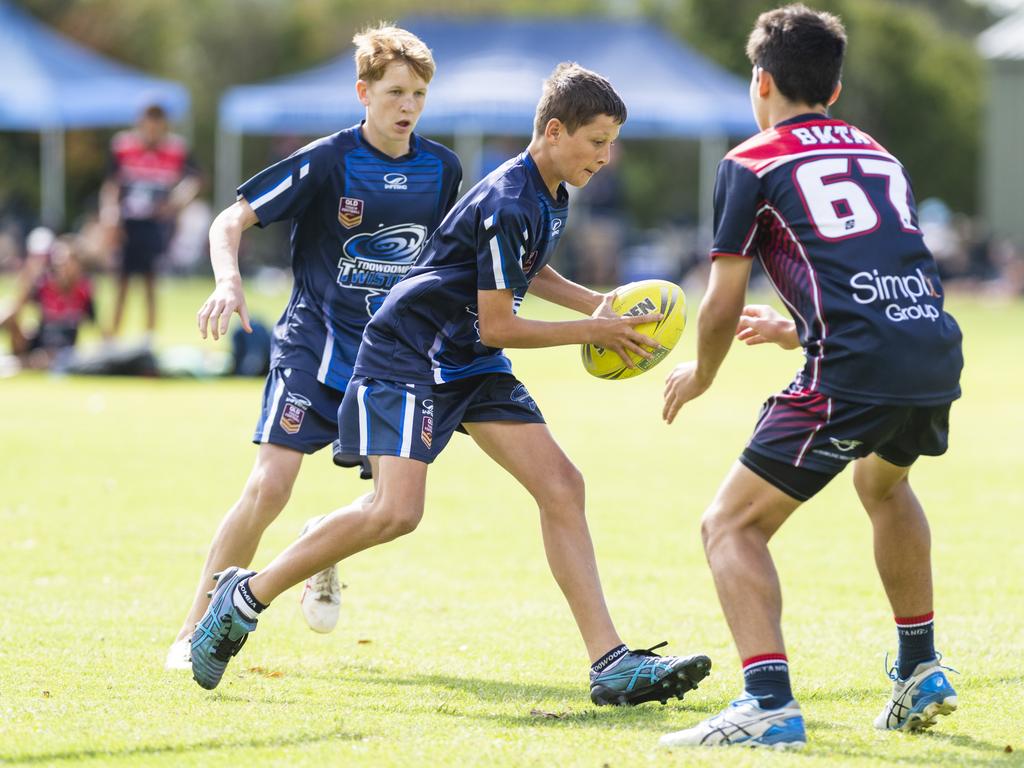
[712,149]
[51,161]
[228,154]
[469,146]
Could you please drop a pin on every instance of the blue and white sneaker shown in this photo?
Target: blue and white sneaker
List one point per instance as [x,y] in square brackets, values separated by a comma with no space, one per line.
[222,631]
[643,675]
[917,701]
[743,723]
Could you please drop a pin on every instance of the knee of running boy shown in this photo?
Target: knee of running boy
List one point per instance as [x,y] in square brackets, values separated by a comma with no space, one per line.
[563,491]
[390,521]
[267,491]
[874,487]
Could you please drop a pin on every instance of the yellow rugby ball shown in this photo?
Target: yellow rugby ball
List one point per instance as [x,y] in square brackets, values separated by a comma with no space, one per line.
[641,298]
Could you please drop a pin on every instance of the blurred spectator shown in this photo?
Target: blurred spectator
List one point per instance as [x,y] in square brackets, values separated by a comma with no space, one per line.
[150,179]
[51,278]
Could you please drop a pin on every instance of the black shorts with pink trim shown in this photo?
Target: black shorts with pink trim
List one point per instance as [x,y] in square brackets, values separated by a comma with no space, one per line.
[803,439]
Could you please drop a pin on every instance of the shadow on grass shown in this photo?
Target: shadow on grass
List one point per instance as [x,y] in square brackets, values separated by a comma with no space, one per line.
[534,704]
[986,752]
[207,745]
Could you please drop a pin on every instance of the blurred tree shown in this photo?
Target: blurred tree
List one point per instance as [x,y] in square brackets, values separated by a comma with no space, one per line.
[910,82]
[912,78]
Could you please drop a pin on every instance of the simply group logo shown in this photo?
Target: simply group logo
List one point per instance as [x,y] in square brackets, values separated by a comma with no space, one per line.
[396,181]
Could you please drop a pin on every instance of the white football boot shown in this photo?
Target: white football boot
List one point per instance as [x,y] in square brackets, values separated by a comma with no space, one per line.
[744,724]
[917,701]
[321,597]
[179,655]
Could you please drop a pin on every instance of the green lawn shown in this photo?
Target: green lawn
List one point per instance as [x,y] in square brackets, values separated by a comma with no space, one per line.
[454,638]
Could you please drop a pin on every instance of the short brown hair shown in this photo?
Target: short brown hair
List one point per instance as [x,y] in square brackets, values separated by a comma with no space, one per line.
[377,47]
[801,49]
[154,112]
[576,96]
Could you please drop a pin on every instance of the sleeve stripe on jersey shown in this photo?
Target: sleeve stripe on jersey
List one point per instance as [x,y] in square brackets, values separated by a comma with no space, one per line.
[497,265]
[304,170]
[269,195]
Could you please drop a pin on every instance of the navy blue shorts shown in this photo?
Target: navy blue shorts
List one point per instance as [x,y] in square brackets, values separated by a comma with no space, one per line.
[144,242]
[385,418]
[804,439]
[298,411]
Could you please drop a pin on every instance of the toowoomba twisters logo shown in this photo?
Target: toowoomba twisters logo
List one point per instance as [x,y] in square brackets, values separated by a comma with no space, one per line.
[376,261]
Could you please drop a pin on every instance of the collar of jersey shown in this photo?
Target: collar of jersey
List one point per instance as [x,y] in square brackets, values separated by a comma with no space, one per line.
[563,194]
[414,145]
[809,117]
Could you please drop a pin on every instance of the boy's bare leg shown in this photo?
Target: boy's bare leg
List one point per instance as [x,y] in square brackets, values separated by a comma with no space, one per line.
[902,538]
[736,529]
[396,509]
[265,494]
[119,303]
[530,454]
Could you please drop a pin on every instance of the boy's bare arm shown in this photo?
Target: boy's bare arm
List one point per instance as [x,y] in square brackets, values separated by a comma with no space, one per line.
[501,327]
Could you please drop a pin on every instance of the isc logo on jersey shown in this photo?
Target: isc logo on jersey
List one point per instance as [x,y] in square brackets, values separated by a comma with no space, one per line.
[396,181]
[376,261]
[869,287]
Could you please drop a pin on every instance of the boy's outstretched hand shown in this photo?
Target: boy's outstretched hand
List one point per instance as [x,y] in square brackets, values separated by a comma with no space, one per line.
[761,324]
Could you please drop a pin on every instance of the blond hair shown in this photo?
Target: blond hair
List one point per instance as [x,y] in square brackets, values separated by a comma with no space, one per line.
[377,47]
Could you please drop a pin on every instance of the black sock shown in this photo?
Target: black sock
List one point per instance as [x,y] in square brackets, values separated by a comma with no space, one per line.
[917,642]
[766,677]
[608,659]
[246,602]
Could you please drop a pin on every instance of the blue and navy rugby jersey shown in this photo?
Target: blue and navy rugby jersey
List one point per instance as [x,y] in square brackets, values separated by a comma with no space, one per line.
[499,236]
[831,216]
[359,222]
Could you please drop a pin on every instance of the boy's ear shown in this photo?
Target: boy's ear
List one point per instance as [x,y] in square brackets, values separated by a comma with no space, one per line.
[835,94]
[765,83]
[361,87]
[553,130]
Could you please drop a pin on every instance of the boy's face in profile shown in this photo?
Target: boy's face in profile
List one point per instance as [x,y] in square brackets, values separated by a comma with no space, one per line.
[581,154]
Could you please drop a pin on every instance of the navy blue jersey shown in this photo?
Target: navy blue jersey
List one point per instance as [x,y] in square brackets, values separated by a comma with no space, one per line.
[359,222]
[831,216]
[501,234]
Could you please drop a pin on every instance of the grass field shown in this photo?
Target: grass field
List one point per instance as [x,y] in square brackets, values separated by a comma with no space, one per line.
[454,641]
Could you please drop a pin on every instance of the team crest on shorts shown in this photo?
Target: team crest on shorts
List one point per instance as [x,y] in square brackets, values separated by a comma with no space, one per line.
[529,261]
[521,395]
[844,445]
[350,212]
[293,413]
[427,423]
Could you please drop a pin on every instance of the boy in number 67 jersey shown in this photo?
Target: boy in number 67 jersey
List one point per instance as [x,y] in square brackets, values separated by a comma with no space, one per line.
[830,215]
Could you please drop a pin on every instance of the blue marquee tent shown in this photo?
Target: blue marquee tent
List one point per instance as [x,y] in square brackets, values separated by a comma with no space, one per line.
[489,75]
[51,84]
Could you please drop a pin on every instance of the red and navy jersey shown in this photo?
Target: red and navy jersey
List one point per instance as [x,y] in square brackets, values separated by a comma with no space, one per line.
[359,220]
[498,237]
[831,216]
[62,309]
[147,174]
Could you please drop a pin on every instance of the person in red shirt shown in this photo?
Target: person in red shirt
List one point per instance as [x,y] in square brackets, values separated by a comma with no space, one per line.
[56,283]
[150,179]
